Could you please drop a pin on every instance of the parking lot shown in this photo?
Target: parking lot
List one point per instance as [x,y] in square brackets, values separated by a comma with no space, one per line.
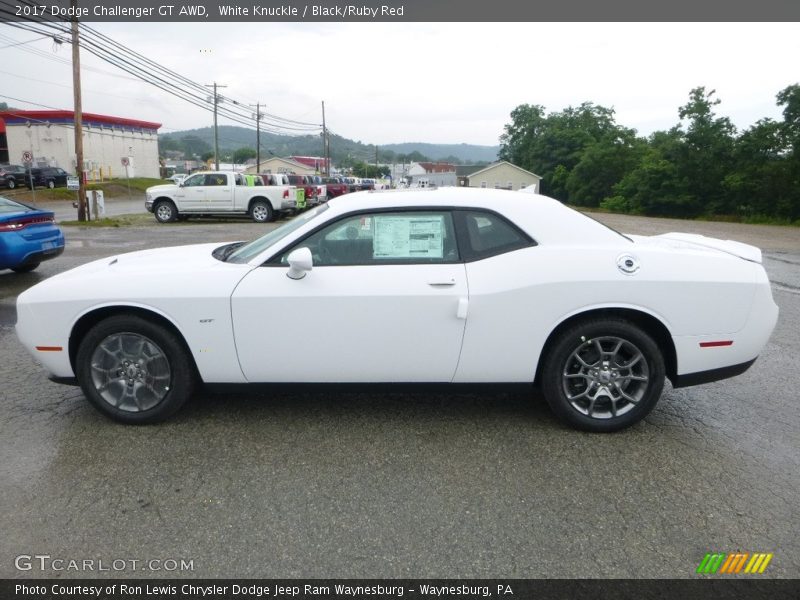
[335,484]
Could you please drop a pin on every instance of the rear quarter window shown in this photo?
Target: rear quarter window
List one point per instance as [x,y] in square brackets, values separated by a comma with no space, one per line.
[484,234]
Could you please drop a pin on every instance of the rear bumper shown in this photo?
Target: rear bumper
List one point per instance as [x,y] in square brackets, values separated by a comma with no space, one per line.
[701,377]
[18,251]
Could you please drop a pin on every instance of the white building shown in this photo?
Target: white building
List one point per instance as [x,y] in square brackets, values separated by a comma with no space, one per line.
[504,175]
[50,136]
[432,174]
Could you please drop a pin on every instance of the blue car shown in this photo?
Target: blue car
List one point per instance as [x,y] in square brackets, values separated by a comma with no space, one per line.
[27,236]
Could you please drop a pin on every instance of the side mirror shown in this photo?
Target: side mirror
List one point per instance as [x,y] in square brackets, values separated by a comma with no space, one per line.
[300,262]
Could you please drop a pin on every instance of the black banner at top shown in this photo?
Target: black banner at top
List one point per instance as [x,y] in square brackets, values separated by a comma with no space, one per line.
[401,10]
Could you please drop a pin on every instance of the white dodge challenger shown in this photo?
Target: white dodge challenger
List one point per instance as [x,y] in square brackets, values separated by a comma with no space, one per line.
[440,286]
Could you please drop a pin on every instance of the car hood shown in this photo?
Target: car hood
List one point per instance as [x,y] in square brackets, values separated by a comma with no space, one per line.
[162,271]
[693,241]
[161,189]
[175,258]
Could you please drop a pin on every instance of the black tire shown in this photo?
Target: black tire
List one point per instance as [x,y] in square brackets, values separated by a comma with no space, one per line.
[142,366]
[11,184]
[51,184]
[602,375]
[25,269]
[165,211]
[261,212]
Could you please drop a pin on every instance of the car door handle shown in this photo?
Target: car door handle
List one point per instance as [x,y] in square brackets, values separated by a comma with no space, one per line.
[463,308]
[442,283]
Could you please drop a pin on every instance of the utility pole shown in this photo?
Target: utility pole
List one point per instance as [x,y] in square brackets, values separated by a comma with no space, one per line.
[376,161]
[78,113]
[216,134]
[325,144]
[257,117]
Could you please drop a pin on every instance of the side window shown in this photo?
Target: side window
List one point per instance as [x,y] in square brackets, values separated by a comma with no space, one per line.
[487,234]
[418,237]
[217,179]
[194,180]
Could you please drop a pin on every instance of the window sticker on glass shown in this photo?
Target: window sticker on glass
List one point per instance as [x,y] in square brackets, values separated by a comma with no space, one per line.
[409,236]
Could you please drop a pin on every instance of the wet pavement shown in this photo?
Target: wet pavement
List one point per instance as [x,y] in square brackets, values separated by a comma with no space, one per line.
[333,484]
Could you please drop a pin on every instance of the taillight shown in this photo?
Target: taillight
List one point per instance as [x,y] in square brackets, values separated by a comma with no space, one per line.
[285,193]
[17,224]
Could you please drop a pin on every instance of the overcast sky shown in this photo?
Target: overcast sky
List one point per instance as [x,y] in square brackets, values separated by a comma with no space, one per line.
[430,82]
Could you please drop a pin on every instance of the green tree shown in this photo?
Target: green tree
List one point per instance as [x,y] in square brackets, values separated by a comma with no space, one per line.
[243,155]
[706,156]
[194,146]
[603,164]
[552,145]
[167,144]
[656,186]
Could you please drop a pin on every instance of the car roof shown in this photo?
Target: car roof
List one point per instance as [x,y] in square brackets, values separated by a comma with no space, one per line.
[543,218]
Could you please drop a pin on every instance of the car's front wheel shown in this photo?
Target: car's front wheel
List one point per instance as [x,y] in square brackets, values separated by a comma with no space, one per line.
[165,211]
[11,184]
[51,184]
[603,375]
[134,370]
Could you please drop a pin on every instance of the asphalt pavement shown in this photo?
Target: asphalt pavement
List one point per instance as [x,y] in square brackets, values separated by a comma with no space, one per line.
[333,484]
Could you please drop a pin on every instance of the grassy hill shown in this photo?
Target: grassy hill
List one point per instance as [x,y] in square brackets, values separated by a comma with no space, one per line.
[232,138]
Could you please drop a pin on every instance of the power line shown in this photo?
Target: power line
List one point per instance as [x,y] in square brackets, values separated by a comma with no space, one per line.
[166,80]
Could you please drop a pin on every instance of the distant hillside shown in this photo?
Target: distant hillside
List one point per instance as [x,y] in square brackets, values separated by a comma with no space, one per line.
[232,138]
[467,153]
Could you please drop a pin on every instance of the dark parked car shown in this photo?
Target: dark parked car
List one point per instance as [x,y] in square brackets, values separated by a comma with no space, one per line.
[49,177]
[27,236]
[13,175]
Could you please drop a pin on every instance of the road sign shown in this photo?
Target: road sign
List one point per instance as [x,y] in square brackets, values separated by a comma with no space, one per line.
[73,183]
[125,161]
[27,156]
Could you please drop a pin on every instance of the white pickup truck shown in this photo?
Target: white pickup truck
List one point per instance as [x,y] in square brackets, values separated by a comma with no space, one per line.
[218,193]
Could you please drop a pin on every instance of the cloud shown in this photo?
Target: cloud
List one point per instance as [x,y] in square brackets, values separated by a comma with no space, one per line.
[434,82]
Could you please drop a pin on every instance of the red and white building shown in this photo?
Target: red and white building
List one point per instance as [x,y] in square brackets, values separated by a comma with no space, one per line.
[50,136]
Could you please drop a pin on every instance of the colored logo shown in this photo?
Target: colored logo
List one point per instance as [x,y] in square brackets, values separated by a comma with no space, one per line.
[736,563]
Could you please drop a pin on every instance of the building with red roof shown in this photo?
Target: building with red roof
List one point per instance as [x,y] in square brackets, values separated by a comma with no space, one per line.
[49,135]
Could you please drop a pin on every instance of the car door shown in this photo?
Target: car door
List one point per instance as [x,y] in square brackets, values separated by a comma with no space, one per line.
[219,192]
[384,302]
[191,194]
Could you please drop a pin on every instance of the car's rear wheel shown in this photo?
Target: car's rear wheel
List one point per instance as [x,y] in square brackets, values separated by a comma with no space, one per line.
[11,184]
[26,268]
[165,211]
[134,370]
[603,375]
[261,211]
[51,184]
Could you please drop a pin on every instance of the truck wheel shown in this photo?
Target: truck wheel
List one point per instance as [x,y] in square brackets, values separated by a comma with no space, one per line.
[261,212]
[165,211]
[51,184]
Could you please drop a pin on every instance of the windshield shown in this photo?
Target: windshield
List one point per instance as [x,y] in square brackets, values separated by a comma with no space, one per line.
[256,247]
